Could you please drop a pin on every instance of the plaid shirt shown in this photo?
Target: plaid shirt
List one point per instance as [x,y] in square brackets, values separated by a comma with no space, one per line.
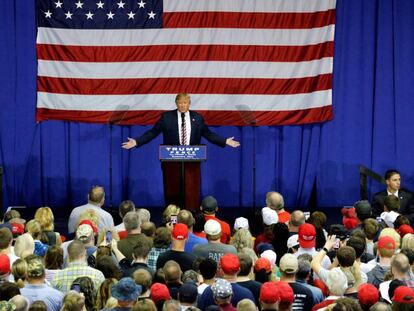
[153,256]
[64,278]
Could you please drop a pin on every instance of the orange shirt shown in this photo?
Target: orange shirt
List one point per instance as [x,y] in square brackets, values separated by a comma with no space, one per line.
[284,216]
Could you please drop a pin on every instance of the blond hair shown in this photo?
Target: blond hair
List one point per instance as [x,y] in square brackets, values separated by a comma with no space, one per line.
[241,239]
[44,216]
[408,241]
[390,232]
[19,271]
[24,245]
[170,210]
[73,301]
[35,229]
[90,215]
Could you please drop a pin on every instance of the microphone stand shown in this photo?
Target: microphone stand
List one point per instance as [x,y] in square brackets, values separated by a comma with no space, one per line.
[117,116]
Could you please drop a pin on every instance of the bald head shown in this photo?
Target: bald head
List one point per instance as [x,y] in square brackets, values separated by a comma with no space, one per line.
[275,201]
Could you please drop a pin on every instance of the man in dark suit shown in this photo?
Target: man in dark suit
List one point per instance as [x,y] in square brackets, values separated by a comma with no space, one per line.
[393,181]
[179,127]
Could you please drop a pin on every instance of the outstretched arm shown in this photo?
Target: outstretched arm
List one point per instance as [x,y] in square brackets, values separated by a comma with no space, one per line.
[232,143]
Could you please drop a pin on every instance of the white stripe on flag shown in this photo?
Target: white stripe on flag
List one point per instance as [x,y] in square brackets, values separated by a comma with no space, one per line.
[198,102]
[266,6]
[183,69]
[187,36]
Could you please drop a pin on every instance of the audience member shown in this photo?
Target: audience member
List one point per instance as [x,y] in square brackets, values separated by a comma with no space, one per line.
[77,267]
[177,252]
[288,268]
[244,276]
[385,251]
[133,227]
[209,207]
[185,217]
[297,218]
[214,249]
[96,199]
[44,215]
[126,292]
[208,270]
[275,201]
[36,289]
[161,243]
[124,208]
[230,266]
[222,294]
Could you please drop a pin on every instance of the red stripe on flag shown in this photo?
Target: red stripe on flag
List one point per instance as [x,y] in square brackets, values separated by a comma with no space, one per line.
[184,53]
[212,117]
[248,20]
[191,85]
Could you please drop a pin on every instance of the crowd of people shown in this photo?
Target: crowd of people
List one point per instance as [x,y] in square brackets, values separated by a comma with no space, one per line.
[194,260]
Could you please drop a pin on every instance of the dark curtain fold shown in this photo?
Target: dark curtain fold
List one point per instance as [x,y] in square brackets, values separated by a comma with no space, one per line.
[55,163]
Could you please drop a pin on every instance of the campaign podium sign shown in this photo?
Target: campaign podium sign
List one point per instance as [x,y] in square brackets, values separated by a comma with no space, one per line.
[183,153]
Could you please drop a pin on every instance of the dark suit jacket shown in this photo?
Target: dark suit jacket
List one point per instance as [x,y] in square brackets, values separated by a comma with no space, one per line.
[168,126]
[406,203]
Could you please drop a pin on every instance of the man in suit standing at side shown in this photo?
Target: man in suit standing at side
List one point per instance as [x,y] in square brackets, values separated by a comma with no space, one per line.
[393,181]
[179,127]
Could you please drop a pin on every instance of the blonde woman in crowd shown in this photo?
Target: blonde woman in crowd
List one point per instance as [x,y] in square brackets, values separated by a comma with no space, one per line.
[45,217]
[34,228]
[24,245]
[19,271]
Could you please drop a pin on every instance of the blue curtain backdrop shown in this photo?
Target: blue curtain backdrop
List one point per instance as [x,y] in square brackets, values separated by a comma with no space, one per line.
[55,163]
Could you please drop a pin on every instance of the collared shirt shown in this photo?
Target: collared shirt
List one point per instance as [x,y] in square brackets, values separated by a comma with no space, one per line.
[51,297]
[153,256]
[105,219]
[64,278]
[187,125]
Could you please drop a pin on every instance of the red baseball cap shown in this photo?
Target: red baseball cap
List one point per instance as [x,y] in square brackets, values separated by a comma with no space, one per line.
[17,228]
[285,292]
[368,294]
[269,293]
[263,263]
[230,263]
[405,229]
[307,235]
[90,223]
[403,294]
[4,264]
[159,292]
[180,231]
[386,242]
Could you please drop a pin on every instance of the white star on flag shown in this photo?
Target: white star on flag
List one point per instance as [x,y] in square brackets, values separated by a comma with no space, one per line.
[100,4]
[68,15]
[89,15]
[141,4]
[79,4]
[121,4]
[110,15]
[131,15]
[152,14]
[58,4]
[48,14]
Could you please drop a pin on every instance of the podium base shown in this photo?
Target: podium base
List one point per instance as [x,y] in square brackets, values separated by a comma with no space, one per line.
[182,184]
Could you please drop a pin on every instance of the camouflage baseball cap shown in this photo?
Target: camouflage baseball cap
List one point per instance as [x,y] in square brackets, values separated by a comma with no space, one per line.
[6,306]
[35,268]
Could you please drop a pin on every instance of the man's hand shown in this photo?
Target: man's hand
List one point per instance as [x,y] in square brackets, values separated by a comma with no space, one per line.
[131,143]
[232,143]
[330,242]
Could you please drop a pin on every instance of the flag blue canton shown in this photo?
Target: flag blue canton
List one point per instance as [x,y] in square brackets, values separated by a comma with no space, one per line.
[87,14]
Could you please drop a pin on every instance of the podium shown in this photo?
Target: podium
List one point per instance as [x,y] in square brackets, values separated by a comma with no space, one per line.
[182,174]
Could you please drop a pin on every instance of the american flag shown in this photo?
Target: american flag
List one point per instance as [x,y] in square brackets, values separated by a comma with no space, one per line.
[263,62]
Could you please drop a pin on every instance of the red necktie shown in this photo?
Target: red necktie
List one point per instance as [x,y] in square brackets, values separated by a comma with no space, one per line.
[183,130]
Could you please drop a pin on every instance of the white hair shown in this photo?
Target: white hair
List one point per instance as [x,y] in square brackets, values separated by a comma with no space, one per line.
[337,282]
